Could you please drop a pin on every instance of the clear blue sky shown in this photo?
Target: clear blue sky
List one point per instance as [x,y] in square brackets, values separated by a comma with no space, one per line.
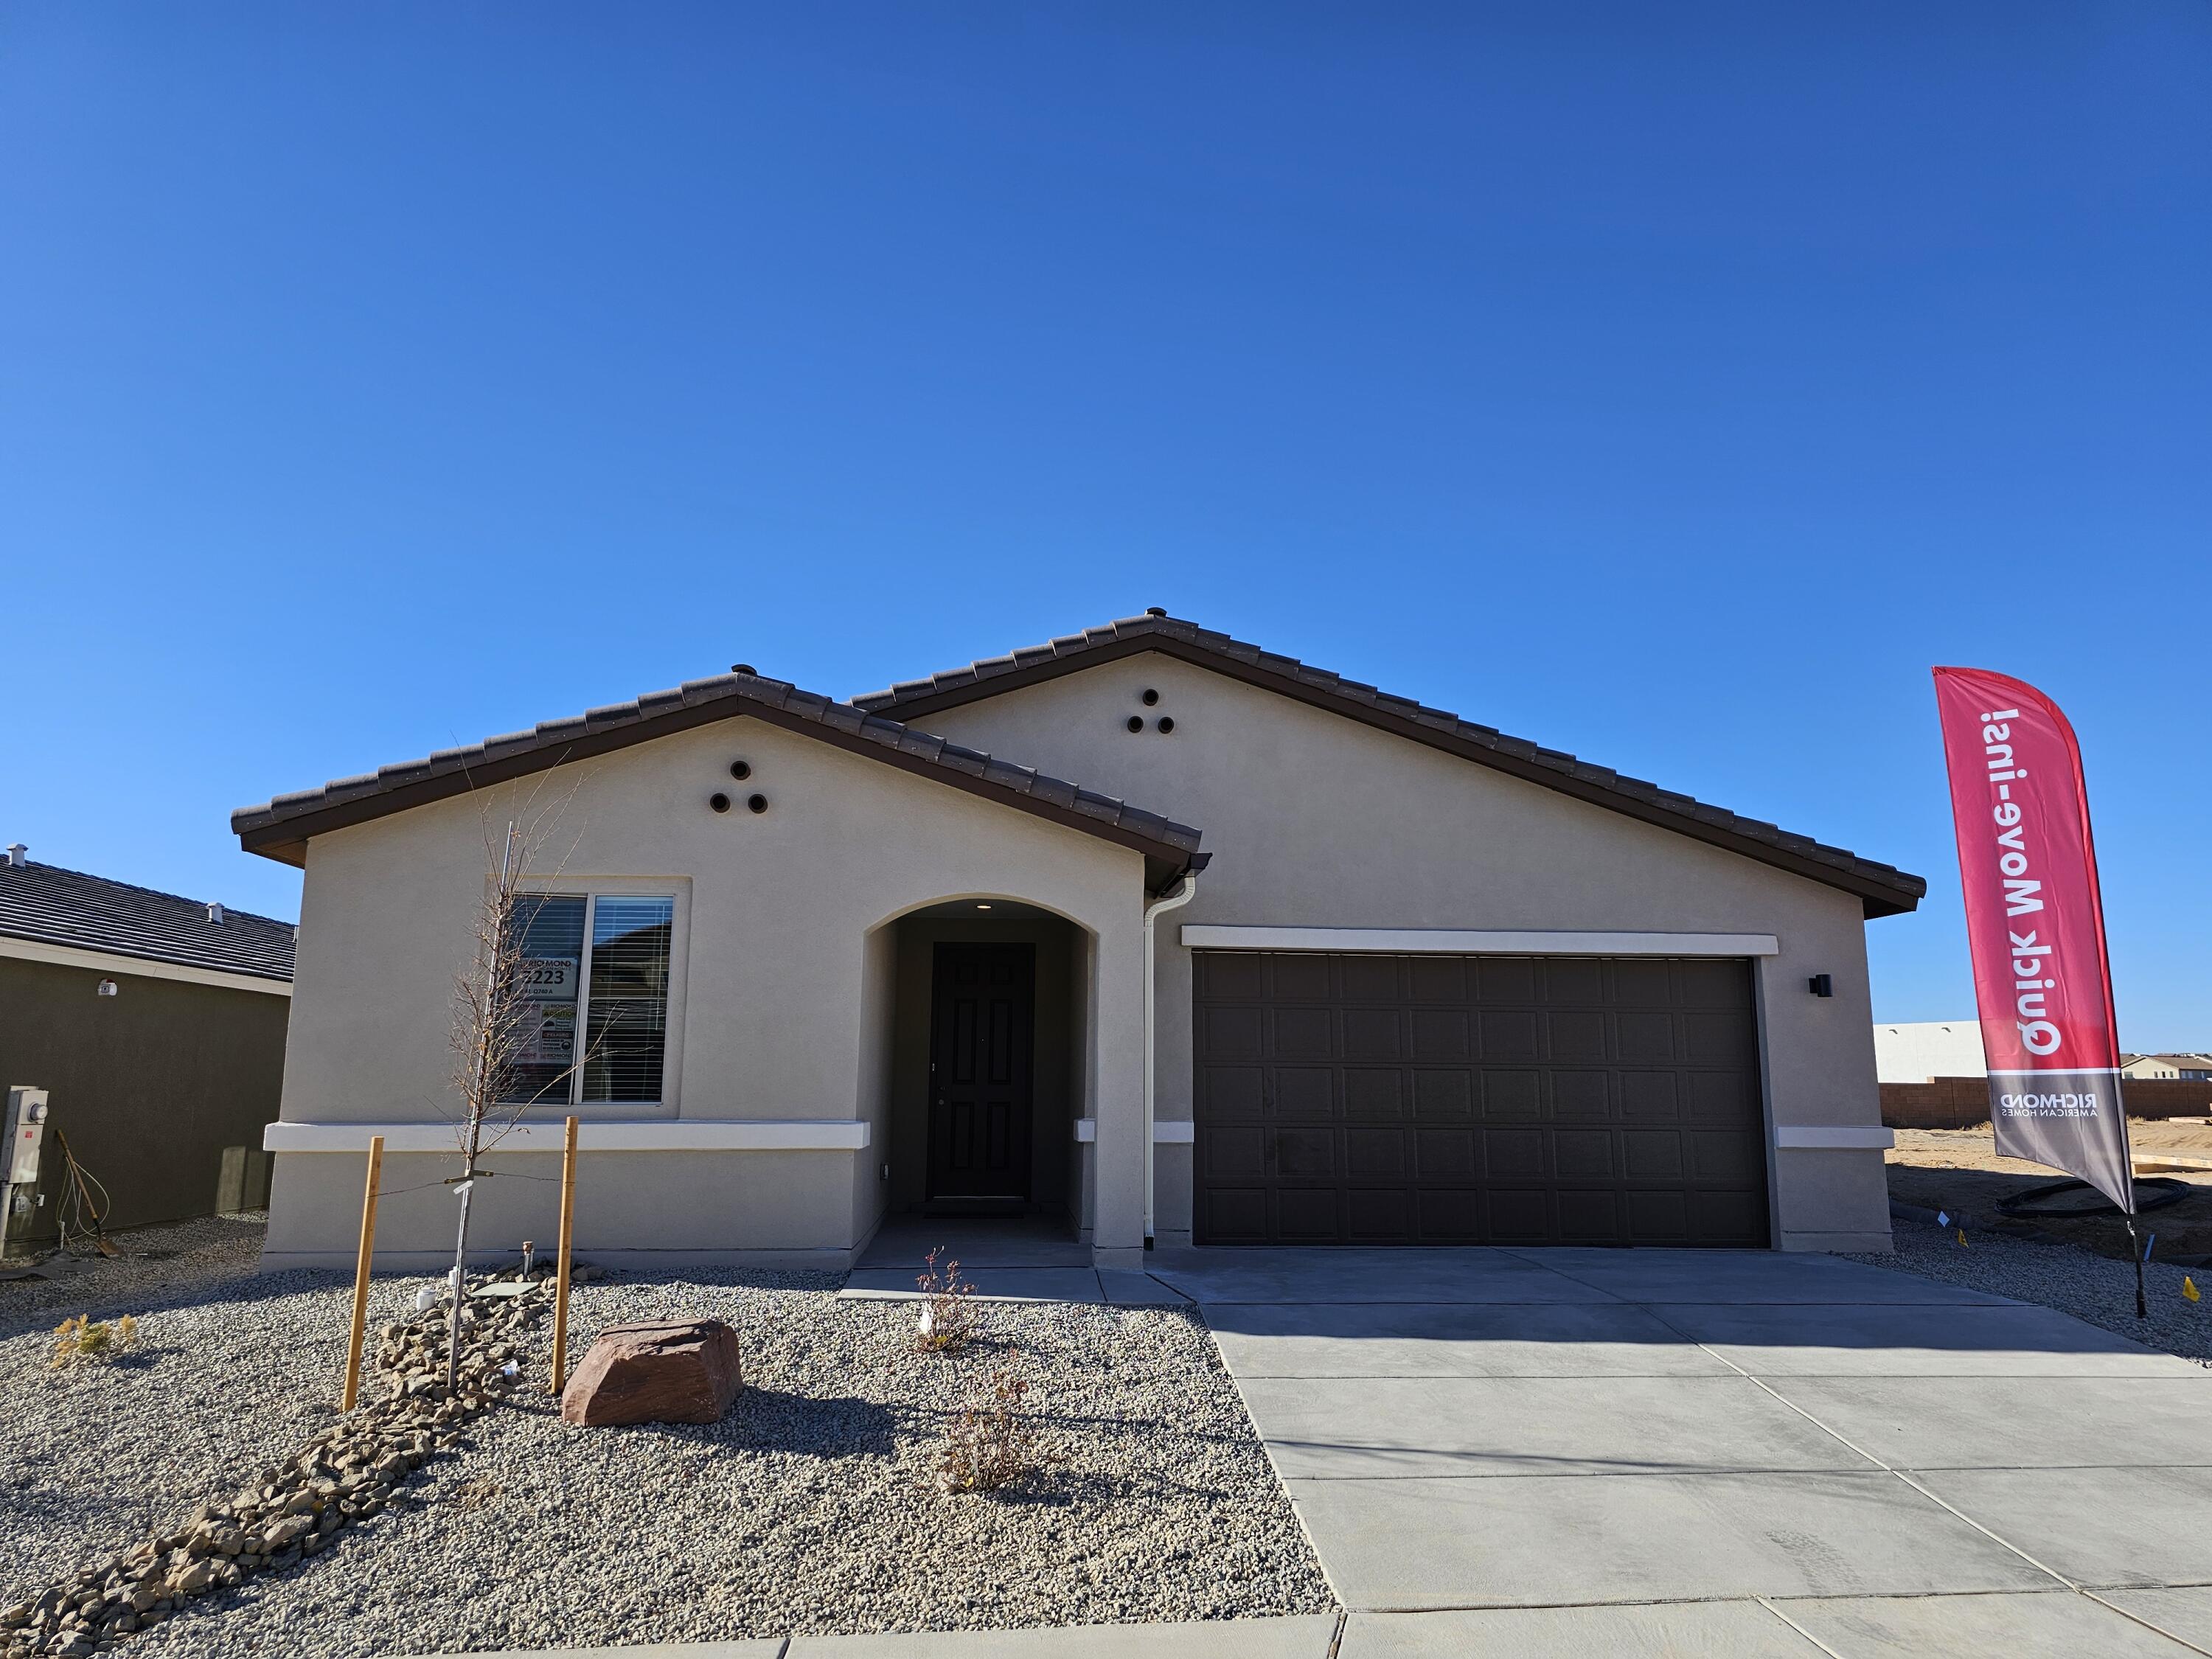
[1672,384]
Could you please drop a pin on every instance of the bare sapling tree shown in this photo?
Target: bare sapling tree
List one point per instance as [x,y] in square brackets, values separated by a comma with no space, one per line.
[497,1025]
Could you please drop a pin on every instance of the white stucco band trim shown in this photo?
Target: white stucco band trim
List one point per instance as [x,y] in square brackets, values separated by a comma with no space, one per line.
[1166,1133]
[1467,942]
[1853,1138]
[110,962]
[662,1135]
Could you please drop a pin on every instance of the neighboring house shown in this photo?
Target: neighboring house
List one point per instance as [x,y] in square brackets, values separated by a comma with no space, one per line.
[157,1025]
[1925,1050]
[1425,984]
[2192,1068]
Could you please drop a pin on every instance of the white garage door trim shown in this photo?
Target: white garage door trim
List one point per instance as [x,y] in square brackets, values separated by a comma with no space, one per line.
[1461,942]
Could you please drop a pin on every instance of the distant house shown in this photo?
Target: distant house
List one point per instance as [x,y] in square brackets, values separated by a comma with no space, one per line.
[1923,1050]
[157,1025]
[2188,1068]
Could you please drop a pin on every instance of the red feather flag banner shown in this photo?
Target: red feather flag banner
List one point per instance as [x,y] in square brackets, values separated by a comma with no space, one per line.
[2035,927]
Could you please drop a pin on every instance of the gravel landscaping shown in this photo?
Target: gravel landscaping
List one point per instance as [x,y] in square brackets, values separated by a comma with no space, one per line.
[806,1509]
[2094,1288]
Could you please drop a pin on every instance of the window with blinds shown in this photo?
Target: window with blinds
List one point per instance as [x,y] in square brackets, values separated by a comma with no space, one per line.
[596,964]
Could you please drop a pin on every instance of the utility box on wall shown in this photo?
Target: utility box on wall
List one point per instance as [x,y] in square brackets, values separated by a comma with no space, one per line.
[27,1135]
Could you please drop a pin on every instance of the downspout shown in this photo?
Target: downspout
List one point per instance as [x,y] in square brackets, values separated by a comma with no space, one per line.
[1185,890]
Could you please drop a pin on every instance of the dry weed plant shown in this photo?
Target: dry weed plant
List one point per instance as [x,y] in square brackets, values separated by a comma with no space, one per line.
[86,1338]
[947,1321]
[992,1445]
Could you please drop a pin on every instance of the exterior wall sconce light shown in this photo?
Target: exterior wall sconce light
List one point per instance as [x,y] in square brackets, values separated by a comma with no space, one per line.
[1821,985]
[108,987]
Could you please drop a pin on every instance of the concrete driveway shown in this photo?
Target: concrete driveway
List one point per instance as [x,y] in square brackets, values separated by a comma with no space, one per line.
[1568,1452]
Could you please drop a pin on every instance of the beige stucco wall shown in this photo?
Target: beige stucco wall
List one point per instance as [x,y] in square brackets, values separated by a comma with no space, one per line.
[1314,820]
[782,1008]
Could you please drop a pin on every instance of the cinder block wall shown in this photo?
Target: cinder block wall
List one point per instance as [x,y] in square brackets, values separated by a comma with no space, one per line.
[1963,1102]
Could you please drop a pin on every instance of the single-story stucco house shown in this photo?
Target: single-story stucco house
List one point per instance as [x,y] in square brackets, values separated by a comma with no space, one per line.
[1420,982]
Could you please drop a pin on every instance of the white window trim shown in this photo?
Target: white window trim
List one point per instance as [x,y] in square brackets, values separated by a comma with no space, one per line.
[618,1135]
[1468,942]
[679,954]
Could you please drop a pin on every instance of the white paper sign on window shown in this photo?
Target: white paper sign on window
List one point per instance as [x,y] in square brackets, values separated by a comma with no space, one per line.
[549,979]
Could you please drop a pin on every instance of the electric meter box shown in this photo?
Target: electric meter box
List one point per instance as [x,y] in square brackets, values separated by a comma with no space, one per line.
[27,1133]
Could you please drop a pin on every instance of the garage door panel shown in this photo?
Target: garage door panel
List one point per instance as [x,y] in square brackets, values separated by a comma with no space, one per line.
[1652,1154]
[1374,1034]
[1306,1215]
[1509,1152]
[1231,1033]
[1235,1093]
[1435,980]
[1442,1097]
[1582,1154]
[1372,1152]
[1512,1095]
[1576,1035]
[1370,979]
[1441,1034]
[1229,1156]
[1304,1094]
[1450,1100]
[1307,1033]
[1371,1094]
[1507,979]
[1644,1039]
[1378,1216]
[1305,1151]
[1588,1217]
[1445,1154]
[1646,1095]
[1509,1034]
[1301,979]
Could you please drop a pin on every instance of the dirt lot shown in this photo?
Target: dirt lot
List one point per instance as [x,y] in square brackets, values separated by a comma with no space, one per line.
[1958,1172]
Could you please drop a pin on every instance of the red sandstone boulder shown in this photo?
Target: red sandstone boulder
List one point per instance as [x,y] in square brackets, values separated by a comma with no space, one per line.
[676,1371]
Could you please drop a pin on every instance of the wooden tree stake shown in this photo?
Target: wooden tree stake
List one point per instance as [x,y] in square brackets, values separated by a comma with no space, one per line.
[361,1272]
[568,1238]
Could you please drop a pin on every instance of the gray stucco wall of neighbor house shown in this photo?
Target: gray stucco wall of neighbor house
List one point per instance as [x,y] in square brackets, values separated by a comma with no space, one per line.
[783,1004]
[1316,821]
[150,1085]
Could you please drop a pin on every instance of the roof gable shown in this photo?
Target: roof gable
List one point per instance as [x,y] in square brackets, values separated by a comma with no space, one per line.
[1882,889]
[280,829]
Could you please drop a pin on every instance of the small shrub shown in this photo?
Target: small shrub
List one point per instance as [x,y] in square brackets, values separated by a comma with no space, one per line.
[947,1321]
[85,1338]
[990,1446]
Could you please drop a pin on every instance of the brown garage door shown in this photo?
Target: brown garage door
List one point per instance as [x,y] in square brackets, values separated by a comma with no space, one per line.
[1455,1100]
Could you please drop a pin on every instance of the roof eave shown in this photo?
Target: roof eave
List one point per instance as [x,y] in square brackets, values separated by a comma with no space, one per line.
[1877,896]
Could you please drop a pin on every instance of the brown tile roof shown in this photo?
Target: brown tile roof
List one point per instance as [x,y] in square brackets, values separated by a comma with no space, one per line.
[279,829]
[1884,889]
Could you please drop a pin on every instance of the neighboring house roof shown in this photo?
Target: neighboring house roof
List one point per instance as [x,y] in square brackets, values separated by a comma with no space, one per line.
[67,908]
[279,829]
[1883,889]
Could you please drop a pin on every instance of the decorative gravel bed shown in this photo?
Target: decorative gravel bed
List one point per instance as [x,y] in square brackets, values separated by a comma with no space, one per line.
[806,1509]
[2095,1289]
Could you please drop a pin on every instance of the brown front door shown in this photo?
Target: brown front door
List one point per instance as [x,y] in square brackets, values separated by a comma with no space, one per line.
[1477,1100]
[983,1003]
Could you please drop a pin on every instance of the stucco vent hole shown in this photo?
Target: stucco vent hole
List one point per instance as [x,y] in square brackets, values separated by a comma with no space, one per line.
[1151,696]
[1136,722]
[740,771]
[719,802]
[757,803]
[1167,722]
